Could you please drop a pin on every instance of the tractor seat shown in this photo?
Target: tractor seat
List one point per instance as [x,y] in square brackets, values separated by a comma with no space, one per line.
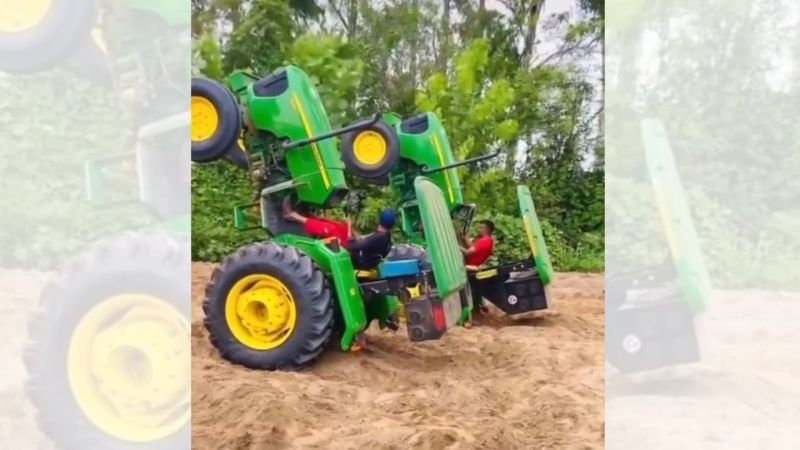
[365,275]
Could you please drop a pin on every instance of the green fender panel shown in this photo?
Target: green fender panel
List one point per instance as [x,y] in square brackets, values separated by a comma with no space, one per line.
[338,267]
[675,216]
[533,231]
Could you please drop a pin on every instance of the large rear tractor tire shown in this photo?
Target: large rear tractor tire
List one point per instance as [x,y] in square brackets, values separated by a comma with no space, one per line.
[216,120]
[108,354]
[268,307]
[371,153]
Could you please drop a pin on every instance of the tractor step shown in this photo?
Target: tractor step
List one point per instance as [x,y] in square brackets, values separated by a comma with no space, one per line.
[514,288]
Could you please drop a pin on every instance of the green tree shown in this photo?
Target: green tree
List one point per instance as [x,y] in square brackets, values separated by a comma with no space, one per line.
[477,68]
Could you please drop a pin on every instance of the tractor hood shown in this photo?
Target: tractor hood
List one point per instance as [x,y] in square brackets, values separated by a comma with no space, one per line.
[423,140]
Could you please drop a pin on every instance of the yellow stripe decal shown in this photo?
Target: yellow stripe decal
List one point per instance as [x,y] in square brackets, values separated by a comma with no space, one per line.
[529,232]
[446,172]
[666,219]
[482,275]
[299,107]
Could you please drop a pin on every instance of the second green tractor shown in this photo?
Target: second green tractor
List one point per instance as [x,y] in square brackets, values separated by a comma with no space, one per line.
[278,304]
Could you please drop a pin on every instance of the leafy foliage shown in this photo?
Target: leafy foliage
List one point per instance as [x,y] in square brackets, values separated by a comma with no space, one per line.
[735,152]
[44,149]
[221,186]
[473,66]
[335,69]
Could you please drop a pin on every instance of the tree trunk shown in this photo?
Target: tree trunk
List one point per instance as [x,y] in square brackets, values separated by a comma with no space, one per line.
[444,50]
[531,23]
[414,49]
[352,20]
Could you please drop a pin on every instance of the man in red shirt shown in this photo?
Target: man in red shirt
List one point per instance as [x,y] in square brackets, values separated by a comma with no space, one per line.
[478,251]
[318,227]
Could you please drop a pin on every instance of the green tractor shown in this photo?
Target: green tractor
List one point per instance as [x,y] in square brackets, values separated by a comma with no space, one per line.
[108,353]
[513,286]
[277,305]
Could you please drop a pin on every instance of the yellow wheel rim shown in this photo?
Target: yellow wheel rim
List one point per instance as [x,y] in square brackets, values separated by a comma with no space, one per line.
[260,312]
[22,15]
[369,148]
[128,366]
[205,119]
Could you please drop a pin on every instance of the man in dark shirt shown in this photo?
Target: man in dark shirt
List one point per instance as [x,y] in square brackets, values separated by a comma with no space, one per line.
[369,251]
[366,252]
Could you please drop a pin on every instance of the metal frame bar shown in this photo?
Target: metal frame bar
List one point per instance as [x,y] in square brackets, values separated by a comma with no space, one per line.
[395,285]
[356,126]
[426,170]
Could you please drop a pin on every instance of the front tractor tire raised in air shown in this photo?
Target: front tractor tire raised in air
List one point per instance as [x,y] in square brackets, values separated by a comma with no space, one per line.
[268,307]
[216,120]
[371,152]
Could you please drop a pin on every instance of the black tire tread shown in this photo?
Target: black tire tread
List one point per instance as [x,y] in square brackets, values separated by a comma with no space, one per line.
[373,175]
[307,275]
[230,125]
[49,43]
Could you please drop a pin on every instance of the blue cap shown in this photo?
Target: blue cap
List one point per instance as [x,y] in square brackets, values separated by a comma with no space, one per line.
[386,218]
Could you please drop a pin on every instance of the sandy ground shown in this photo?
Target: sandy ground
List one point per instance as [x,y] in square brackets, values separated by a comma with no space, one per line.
[535,383]
[743,394]
[18,429]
